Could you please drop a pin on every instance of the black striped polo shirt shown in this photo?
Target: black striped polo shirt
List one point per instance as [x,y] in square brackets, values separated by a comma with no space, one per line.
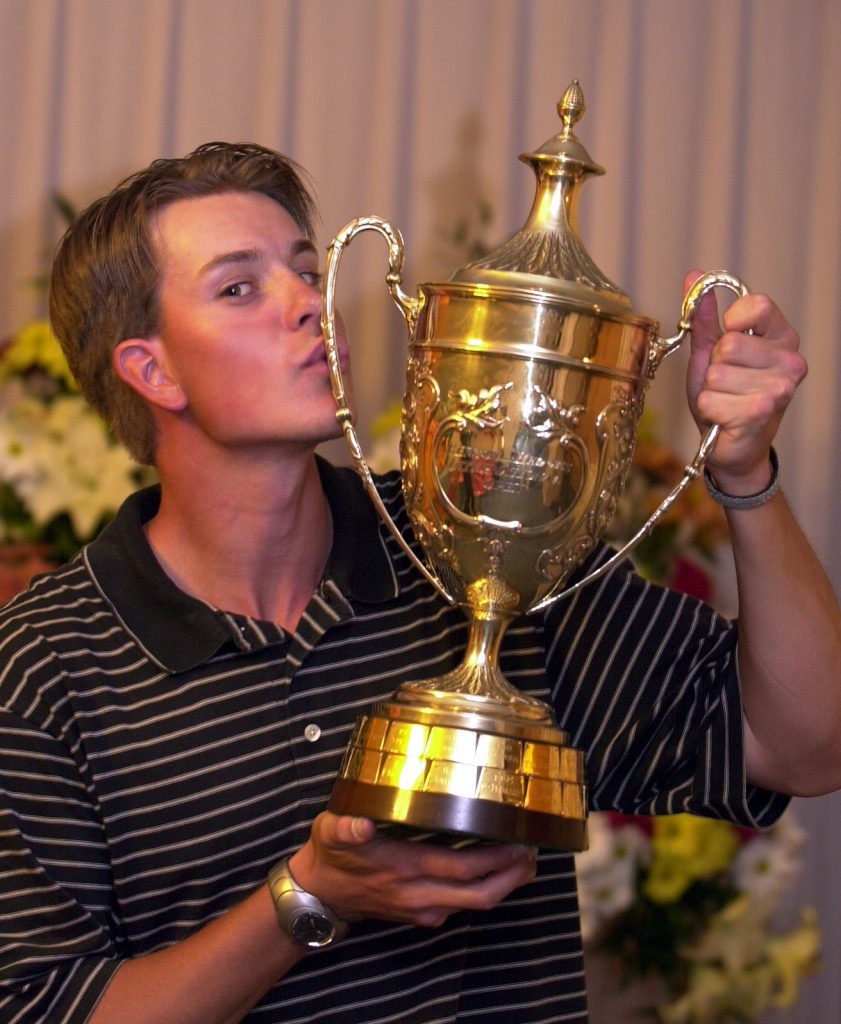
[158,755]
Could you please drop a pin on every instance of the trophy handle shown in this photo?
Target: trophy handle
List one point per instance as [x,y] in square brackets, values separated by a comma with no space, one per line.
[410,308]
[658,350]
[662,347]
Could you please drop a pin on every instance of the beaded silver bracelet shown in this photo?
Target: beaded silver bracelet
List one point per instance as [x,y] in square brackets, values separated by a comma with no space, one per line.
[748,500]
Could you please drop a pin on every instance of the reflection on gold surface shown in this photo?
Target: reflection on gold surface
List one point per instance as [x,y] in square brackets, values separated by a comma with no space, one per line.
[499,752]
[541,759]
[402,772]
[544,795]
[406,738]
[451,745]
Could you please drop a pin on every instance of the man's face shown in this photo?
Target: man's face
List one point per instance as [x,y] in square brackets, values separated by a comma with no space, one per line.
[240,320]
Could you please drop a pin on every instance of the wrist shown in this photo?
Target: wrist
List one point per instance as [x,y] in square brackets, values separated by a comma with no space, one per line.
[300,914]
[742,493]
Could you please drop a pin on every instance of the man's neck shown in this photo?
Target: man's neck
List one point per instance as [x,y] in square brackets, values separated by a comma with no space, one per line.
[256,545]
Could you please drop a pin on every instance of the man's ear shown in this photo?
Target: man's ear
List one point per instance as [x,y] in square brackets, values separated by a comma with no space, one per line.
[141,363]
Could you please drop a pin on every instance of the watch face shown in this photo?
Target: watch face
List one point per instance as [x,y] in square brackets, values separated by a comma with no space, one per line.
[313,930]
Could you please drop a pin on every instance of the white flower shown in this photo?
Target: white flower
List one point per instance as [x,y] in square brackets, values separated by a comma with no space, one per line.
[607,872]
[766,866]
[58,457]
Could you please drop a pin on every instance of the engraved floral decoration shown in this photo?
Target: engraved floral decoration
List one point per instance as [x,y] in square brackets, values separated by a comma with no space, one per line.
[680,549]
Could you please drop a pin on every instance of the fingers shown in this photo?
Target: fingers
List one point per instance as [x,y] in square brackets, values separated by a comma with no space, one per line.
[360,873]
[742,363]
[753,313]
[437,900]
[764,366]
[456,868]
[761,316]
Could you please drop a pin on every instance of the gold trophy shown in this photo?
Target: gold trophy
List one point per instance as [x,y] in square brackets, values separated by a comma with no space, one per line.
[526,379]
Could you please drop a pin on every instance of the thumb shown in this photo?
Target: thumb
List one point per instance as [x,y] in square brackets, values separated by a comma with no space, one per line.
[346,830]
[706,329]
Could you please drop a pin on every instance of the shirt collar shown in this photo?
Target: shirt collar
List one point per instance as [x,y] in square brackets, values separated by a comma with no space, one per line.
[178,631]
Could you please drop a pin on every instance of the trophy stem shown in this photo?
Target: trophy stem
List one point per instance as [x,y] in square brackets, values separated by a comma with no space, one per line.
[477,683]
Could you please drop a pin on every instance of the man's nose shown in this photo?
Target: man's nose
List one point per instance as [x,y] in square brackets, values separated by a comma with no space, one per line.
[302,304]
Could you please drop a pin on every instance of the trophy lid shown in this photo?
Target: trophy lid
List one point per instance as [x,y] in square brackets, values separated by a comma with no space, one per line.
[547,253]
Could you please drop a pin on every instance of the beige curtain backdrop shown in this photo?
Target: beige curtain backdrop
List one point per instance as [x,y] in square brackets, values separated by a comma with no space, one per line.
[718,123]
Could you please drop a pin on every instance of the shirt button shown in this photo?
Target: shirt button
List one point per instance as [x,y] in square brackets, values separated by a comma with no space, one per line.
[312,733]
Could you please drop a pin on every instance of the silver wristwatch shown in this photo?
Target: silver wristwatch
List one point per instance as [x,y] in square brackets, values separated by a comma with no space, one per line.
[300,914]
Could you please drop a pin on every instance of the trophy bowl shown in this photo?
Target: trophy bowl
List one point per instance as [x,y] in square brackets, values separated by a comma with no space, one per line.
[526,379]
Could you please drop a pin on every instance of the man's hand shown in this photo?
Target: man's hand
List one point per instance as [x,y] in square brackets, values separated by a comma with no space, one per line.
[360,873]
[789,618]
[743,382]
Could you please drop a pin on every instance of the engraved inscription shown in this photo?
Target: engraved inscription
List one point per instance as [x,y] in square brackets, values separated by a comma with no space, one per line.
[448,777]
[501,787]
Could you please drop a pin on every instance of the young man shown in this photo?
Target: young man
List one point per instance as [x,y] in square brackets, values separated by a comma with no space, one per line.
[174,703]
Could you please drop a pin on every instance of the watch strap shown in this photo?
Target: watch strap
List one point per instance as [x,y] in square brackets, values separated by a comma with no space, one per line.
[747,501]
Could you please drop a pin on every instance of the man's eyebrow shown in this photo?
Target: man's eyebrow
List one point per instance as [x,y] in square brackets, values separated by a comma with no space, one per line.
[226,258]
[301,245]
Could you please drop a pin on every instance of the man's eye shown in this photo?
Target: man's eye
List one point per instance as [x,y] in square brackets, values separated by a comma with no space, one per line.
[312,277]
[237,290]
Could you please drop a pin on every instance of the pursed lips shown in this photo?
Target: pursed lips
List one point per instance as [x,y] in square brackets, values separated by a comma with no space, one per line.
[319,355]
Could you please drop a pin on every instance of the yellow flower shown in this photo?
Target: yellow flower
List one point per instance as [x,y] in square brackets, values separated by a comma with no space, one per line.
[718,844]
[388,420]
[794,955]
[33,346]
[668,880]
[703,1000]
[684,849]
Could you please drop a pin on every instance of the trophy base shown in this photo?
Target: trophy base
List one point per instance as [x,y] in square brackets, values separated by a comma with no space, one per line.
[459,816]
[464,773]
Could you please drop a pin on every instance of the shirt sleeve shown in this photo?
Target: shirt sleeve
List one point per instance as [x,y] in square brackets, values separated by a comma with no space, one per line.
[57,950]
[646,683]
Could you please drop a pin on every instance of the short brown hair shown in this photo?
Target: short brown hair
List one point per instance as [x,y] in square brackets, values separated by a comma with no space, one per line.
[105,277]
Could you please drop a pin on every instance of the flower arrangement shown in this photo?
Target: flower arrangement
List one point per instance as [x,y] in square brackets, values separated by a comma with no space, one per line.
[691,902]
[685,539]
[62,474]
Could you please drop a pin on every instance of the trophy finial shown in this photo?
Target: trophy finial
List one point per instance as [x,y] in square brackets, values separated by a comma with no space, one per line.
[571,106]
[548,245]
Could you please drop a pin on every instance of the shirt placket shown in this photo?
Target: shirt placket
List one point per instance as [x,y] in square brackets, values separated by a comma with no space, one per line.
[308,721]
